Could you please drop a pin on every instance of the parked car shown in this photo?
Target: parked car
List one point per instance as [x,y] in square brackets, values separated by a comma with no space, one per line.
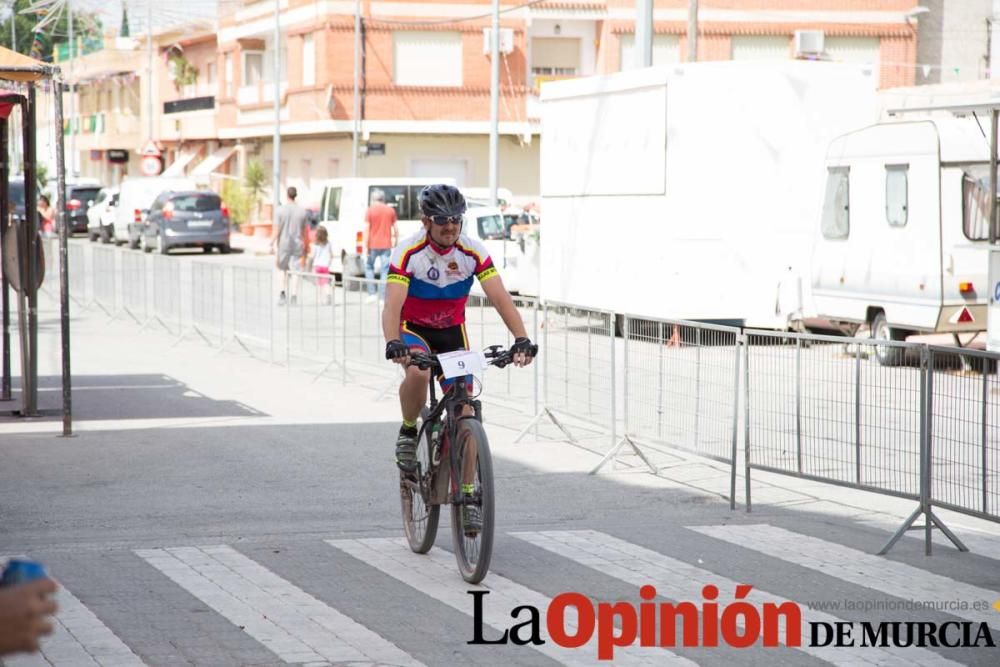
[100,215]
[186,219]
[80,193]
[135,197]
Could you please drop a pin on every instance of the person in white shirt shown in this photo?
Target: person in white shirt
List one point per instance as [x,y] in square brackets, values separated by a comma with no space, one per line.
[320,259]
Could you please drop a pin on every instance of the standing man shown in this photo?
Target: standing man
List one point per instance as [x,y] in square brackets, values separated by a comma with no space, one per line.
[380,238]
[291,235]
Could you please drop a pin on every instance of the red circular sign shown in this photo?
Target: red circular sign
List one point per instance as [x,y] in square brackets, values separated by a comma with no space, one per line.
[150,165]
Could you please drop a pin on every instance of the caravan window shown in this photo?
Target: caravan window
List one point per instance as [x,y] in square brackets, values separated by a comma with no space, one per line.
[836,204]
[976,202]
[331,204]
[896,194]
[396,196]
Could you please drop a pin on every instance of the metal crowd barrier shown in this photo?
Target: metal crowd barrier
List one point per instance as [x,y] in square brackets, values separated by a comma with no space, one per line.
[104,279]
[167,294]
[134,302]
[309,322]
[516,389]
[681,387]
[77,269]
[254,299]
[963,431]
[579,372]
[207,302]
[361,326]
[824,408]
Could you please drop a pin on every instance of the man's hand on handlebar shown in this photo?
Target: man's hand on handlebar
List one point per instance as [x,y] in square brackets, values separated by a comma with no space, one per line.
[398,352]
[523,351]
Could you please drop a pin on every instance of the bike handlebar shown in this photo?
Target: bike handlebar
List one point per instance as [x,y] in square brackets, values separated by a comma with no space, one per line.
[495,355]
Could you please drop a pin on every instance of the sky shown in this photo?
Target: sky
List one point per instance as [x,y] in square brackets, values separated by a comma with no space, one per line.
[165,12]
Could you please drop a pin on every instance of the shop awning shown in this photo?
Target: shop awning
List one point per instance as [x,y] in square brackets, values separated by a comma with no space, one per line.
[18,67]
[176,169]
[213,162]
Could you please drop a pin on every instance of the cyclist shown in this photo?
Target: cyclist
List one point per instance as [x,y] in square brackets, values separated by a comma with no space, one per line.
[430,275]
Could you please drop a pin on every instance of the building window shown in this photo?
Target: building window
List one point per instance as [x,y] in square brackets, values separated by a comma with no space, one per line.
[666,50]
[332,168]
[268,63]
[554,58]
[307,174]
[861,50]
[308,60]
[896,194]
[836,204]
[210,74]
[425,58]
[760,47]
[253,67]
[229,75]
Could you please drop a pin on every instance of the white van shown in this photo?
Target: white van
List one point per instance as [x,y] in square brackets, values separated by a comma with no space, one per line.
[342,211]
[486,223]
[135,197]
[903,240]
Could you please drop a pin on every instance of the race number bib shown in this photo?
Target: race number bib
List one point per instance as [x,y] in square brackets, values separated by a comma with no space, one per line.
[462,362]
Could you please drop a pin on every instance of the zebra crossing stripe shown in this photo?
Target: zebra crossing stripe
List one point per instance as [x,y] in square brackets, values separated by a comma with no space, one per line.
[295,626]
[677,580]
[857,567]
[78,639]
[435,575]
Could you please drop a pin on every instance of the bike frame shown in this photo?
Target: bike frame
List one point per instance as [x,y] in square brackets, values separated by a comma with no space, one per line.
[454,402]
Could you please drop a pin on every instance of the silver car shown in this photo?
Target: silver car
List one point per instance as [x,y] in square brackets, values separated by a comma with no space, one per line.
[188,219]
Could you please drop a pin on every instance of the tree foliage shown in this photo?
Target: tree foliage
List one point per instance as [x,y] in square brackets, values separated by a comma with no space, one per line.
[85,24]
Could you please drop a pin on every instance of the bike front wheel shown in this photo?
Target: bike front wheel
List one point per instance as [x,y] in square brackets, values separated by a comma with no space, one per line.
[474,543]
[420,520]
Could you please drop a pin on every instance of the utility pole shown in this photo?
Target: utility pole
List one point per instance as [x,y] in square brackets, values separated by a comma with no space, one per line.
[692,31]
[276,153]
[149,66]
[357,89]
[72,96]
[644,33]
[494,102]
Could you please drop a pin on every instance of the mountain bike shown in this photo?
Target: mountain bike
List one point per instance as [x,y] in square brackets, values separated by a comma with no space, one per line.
[452,449]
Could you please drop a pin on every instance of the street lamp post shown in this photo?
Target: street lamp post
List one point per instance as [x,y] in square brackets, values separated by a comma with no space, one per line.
[276,156]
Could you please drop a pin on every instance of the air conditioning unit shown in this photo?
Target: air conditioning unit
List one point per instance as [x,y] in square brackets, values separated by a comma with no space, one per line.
[808,43]
[506,40]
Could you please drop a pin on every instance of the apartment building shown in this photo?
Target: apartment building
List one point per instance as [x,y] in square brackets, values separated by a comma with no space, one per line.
[425,76]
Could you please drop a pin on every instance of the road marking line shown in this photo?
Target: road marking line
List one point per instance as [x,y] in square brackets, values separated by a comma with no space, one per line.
[297,627]
[857,567]
[78,639]
[677,580]
[435,575]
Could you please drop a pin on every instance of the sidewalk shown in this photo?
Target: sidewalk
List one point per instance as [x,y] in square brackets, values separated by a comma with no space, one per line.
[251,245]
[126,378]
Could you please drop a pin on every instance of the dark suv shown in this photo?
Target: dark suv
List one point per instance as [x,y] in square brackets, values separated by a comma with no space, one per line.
[78,200]
[192,219]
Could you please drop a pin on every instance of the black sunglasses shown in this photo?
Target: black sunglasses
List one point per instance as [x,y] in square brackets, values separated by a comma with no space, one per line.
[442,220]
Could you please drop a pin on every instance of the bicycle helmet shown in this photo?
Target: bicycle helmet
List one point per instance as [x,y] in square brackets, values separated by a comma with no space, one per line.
[442,200]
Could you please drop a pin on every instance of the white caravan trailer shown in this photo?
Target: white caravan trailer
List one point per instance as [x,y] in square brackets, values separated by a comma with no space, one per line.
[903,238]
[691,191]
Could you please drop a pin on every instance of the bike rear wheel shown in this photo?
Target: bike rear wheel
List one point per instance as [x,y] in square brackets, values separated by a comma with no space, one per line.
[420,520]
[473,552]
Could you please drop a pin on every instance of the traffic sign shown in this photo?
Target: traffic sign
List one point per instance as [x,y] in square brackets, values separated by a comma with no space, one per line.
[150,149]
[150,165]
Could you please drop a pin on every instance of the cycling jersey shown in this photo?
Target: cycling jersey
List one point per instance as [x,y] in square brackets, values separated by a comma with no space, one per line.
[438,282]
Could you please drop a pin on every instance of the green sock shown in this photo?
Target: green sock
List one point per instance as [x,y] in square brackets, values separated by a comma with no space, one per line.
[468,489]
[409,424]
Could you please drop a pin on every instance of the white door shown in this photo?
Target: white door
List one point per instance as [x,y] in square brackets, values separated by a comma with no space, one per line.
[440,168]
